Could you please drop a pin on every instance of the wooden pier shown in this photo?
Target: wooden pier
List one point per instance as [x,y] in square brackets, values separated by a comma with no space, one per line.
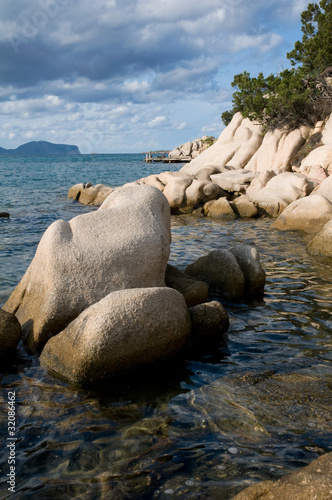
[165,159]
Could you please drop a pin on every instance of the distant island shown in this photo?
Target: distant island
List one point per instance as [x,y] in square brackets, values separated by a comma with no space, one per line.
[41,148]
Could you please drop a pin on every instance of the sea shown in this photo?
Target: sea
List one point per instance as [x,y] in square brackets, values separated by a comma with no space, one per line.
[253,408]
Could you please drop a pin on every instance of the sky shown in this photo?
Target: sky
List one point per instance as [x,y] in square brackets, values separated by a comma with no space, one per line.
[116,76]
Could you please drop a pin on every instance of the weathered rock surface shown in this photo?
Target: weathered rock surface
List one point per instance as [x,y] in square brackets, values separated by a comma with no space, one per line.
[313,482]
[324,189]
[315,173]
[87,194]
[220,270]
[126,329]
[322,242]
[235,273]
[248,259]
[279,191]
[124,244]
[210,322]
[276,151]
[308,214]
[195,292]
[10,333]
[322,155]
[234,180]
[236,145]
[219,209]
[244,207]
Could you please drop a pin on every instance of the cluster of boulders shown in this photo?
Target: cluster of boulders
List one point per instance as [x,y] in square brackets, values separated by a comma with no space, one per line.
[248,174]
[191,149]
[99,297]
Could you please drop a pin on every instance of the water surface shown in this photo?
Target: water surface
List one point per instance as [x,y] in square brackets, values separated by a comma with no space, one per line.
[204,427]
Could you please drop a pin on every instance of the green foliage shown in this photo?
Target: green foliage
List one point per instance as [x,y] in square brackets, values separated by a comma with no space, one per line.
[314,53]
[295,96]
[209,140]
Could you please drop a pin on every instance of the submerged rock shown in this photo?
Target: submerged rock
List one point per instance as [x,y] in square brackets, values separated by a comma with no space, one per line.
[10,333]
[235,273]
[248,259]
[124,244]
[220,270]
[125,330]
[210,323]
[195,292]
[313,482]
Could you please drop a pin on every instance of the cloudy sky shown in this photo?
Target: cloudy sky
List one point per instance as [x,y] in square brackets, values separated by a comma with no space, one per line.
[132,75]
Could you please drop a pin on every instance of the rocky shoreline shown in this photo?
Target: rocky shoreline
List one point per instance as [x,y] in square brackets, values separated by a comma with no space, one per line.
[99,298]
[246,174]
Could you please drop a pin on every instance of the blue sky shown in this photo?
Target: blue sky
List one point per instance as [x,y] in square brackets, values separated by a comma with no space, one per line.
[132,75]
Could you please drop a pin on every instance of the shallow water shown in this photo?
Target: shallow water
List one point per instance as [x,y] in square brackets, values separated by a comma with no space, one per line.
[205,427]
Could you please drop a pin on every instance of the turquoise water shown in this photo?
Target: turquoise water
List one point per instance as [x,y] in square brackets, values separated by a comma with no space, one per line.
[204,427]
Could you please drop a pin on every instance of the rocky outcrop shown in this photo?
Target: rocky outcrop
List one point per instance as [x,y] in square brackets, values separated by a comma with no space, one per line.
[249,174]
[124,244]
[273,193]
[124,330]
[10,333]
[87,194]
[313,482]
[308,214]
[191,149]
[322,153]
[235,147]
[235,273]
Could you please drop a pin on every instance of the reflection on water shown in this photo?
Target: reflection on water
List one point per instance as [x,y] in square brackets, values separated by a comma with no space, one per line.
[205,427]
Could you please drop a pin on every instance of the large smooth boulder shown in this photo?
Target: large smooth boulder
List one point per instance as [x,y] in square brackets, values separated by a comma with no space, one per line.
[210,322]
[313,482]
[279,191]
[244,207]
[124,244]
[219,209]
[10,333]
[221,271]
[176,184]
[324,189]
[204,173]
[194,291]
[234,180]
[248,259]
[308,214]
[125,330]
[322,242]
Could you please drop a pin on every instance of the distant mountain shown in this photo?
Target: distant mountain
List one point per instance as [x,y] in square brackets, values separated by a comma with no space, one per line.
[41,148]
